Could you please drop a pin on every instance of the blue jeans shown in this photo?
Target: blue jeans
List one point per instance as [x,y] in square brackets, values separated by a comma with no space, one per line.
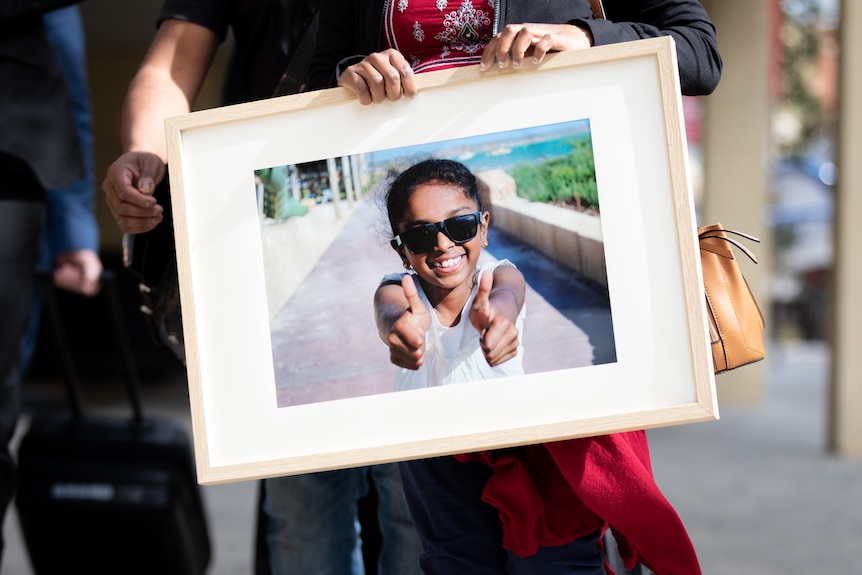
[399,554]
[313,527]
[463,534]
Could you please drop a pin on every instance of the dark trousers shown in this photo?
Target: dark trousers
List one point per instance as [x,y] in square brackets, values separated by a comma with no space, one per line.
[20,230]
[461,533]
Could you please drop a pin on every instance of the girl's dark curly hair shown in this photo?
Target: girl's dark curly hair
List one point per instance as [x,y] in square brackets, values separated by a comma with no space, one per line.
[425,172]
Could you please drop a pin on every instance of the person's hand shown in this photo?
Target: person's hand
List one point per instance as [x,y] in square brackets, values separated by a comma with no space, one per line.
[381,76]
[78,272]
[497,334]
[129,187]
[518,41]
[406,340]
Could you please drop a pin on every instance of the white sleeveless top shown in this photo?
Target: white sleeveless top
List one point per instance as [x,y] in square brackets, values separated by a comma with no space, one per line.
[454,354]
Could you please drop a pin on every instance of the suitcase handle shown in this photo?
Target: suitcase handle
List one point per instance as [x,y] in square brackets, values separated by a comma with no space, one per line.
[73,389]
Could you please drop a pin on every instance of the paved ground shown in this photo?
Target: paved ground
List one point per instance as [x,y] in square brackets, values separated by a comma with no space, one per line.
[756,489]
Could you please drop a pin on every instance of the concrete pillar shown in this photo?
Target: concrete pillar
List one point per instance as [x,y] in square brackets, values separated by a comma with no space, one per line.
[356,169]
[845,425]
[334,185]
[736,155]
[295,187]
[348,181]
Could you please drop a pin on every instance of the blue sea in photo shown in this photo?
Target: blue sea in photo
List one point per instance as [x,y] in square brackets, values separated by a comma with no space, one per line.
[499,150]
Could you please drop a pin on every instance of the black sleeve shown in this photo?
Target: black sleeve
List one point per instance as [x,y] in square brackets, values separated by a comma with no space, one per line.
[345,37]
[212,14]
[686,21]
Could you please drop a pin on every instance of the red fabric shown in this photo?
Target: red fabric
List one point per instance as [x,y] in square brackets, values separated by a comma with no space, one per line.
[438,34]
[548,495]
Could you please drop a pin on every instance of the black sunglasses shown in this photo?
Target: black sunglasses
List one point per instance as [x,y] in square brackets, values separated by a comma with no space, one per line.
[423,239]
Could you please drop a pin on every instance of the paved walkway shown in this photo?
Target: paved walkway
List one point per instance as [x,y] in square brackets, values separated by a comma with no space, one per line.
[757,489]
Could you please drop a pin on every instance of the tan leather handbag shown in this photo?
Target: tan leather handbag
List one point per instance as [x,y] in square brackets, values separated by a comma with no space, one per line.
[735,321]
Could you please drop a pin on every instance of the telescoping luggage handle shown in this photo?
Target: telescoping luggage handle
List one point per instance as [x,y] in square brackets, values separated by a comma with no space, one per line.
[111,293]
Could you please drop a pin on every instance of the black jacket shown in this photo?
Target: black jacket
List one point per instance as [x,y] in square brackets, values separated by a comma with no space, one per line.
[37,130]
[351,29]
[267,34]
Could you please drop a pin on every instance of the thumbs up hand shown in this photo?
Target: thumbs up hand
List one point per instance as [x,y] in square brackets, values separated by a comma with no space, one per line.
[406,338]
[493,314]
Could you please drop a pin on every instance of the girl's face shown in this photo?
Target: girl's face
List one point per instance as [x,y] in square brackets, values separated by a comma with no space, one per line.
[448,265]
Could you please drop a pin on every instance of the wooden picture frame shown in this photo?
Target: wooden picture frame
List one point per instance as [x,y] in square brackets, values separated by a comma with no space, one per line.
[660,372]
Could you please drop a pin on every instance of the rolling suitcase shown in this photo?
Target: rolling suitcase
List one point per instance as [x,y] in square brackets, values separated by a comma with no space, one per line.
[99,494]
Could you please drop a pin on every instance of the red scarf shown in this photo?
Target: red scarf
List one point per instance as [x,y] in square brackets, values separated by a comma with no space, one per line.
[548,495]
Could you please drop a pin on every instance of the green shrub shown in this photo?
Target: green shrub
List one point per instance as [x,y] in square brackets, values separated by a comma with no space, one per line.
[569,179]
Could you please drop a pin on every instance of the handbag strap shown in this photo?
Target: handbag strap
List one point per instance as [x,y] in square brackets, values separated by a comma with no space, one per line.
[598,9]
[719,234]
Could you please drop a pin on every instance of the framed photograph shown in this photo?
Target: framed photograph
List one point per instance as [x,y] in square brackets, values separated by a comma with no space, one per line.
[283,237]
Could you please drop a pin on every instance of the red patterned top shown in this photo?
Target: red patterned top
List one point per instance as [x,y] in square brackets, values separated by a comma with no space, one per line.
[437,34]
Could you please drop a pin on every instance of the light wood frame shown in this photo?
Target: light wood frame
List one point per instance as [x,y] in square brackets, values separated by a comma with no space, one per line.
[663,374]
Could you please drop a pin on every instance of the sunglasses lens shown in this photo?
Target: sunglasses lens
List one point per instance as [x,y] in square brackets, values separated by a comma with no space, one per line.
[462,229]
[420,240]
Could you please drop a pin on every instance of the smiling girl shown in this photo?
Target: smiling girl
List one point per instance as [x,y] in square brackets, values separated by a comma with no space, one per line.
[440,230]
